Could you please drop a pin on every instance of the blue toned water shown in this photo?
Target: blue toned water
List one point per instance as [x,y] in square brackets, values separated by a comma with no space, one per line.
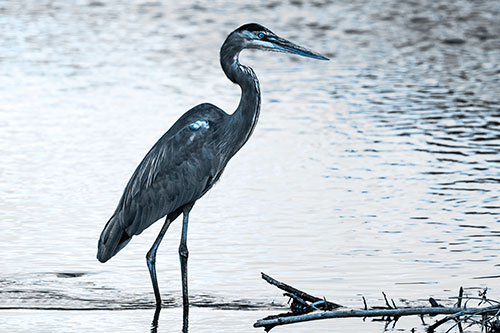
[376,171]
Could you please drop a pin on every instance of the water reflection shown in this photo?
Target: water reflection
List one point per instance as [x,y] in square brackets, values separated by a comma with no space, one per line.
[154,323]
[185,318]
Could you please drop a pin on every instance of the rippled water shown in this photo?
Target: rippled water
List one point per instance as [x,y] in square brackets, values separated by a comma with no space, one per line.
[376,171]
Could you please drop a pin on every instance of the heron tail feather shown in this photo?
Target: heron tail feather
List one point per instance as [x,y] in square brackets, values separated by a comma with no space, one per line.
[113,239]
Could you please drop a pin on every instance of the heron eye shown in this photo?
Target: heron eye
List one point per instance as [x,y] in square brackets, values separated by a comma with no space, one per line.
[260,35]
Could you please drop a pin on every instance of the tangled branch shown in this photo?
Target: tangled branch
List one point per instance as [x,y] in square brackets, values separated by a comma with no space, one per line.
[306,307]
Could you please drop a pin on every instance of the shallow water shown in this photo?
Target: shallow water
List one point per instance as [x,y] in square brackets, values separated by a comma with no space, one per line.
[376,171]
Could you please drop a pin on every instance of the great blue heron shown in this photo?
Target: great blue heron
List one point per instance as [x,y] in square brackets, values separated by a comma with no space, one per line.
[190,157]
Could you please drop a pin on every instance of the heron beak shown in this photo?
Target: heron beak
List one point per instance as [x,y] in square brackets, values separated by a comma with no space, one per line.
[283,45]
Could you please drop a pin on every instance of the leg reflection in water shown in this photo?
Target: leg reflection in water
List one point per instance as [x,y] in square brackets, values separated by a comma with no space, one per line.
[154,323]
[156,317]
[185,318]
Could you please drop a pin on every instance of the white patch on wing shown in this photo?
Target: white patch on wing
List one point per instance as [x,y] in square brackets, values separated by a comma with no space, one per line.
[199,124]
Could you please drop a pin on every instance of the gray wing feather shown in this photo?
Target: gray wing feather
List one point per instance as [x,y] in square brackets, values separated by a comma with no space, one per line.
[175,172]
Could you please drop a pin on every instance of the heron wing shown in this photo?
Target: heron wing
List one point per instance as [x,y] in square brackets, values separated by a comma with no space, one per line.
[178,170]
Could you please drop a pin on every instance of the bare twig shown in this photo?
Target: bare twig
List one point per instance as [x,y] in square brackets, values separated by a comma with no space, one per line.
[299,293]
[444,320]
[460,295]
[386,301]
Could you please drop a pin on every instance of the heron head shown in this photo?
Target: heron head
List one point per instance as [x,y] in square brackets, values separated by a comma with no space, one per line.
[255,36]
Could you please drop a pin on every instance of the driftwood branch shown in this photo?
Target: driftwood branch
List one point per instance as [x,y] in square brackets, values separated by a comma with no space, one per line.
[400,312]
[299,294]
[307,303]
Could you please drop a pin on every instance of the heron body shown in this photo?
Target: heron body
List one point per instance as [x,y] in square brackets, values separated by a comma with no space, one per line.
[191,156]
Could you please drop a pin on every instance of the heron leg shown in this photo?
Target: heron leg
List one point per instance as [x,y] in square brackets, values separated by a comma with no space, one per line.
[183,257]
[151,260]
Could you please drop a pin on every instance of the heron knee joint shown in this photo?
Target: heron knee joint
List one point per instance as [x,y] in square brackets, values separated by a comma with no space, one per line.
[150,258]
[183,251]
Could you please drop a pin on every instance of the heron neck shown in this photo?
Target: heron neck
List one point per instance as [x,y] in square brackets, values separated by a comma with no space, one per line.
[244,119]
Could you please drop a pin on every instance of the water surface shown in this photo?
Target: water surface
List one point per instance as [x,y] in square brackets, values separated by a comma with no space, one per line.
[376,171]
